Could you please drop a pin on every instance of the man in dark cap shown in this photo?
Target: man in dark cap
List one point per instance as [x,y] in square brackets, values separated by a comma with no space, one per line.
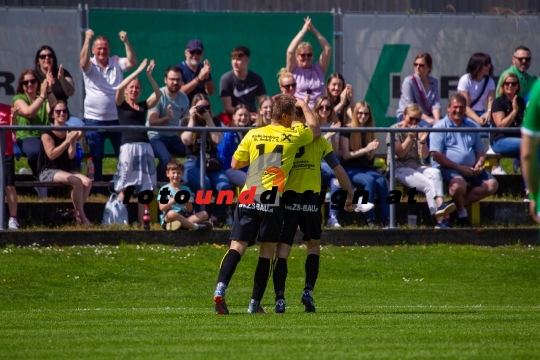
[196,74]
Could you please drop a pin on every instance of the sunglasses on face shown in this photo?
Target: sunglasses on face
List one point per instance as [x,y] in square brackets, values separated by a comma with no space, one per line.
[60,111]
[28,82]
[414,119]
[289,86]
[363,113]
[510,83]
[325,108]
[419,65]
[522,59]
[196,52]
[308,55]
[45,56]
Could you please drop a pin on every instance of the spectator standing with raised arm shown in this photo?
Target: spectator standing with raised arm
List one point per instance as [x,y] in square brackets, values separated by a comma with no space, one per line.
[241,85]
[171,109]
[521,61]
[309,77]
[102,74]
[423,89]
[461,158]
[136,166]
[196,74]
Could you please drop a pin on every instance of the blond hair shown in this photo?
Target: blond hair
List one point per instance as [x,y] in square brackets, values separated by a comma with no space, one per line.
[355,141]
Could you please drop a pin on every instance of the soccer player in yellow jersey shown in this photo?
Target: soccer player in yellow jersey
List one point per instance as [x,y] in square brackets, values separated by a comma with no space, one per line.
[304,210]
[269,151]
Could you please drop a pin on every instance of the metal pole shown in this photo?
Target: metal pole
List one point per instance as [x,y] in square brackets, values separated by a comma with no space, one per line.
[3,179]
[392,178]
[203,163]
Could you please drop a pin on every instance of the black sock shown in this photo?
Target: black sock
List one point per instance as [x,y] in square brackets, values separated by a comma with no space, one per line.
[228,266]
[280,276]
[312,271]
[261,278]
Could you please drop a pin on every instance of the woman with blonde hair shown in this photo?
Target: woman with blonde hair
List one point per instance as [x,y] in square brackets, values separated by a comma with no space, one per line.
[309,77]
[265,110]
[229,144]
[357,157]
[410,172]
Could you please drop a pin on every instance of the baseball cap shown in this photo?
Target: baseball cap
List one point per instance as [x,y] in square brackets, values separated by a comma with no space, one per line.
[194,44]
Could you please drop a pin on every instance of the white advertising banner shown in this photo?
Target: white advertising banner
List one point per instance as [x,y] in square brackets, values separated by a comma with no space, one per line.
[23,31]
[379,52]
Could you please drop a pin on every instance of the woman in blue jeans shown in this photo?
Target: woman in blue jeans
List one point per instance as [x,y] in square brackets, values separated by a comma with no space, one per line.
[357,154]
[507,111]
[200,115]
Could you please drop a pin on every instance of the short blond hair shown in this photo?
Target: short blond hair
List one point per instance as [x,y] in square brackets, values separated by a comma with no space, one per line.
[413,110]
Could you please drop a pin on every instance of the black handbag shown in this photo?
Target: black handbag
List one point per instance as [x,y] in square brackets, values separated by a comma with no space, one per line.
[213,163]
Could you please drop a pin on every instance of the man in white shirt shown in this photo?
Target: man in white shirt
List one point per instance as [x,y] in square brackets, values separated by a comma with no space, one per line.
[102,74]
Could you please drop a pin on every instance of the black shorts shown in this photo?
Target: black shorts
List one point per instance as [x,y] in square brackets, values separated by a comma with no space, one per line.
[257,221]
[10,170]
[307,216]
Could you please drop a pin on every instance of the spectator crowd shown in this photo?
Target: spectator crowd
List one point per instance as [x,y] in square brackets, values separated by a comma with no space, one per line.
[423,160]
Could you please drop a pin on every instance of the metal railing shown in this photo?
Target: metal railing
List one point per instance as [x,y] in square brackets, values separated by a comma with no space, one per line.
[203,131]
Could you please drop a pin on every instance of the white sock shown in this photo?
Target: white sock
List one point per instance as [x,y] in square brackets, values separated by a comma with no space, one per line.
[462,213]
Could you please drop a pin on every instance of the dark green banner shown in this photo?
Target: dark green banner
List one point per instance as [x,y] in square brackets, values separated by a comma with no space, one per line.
[162,36]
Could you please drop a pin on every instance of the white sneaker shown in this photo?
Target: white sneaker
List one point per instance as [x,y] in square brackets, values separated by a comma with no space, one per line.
[490,151]
[13,224]
[25,171]
[363,207]
[332,222]
[516,164]
[497,170]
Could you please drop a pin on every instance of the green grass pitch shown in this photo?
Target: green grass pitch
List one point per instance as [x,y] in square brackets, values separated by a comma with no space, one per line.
[155,302]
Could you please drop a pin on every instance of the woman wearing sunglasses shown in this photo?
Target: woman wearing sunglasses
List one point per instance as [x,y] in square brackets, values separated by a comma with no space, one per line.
[47,67]
[508,112]
[409,148]
[136,166]
[309,77]
[200,115]
[57,150]
[31,105]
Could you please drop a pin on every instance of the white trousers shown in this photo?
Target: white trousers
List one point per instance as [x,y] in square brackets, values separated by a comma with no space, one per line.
[425,179]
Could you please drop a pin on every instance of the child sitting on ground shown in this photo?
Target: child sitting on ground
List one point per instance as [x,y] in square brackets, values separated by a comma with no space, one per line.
[174,216]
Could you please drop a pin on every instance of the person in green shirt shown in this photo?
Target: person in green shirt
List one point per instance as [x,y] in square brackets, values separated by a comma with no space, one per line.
[521,61]
[530,145]
[31,105]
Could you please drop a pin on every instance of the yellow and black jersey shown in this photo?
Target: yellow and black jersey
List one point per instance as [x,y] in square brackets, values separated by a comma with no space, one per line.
[306,171]
[271,152]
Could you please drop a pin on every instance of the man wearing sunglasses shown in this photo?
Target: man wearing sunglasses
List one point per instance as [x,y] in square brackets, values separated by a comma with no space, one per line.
[196,74]
[521,61]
